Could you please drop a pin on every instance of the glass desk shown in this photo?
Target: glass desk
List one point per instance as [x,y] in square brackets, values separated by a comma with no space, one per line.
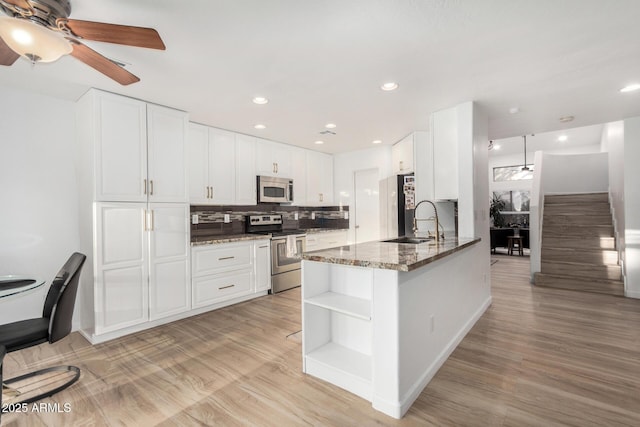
[12,285]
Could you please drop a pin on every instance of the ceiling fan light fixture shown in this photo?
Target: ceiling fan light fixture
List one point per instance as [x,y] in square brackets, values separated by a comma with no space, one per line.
[32,41]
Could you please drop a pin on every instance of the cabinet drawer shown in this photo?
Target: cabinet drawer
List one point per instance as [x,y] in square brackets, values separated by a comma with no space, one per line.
[219,258]
[220,287]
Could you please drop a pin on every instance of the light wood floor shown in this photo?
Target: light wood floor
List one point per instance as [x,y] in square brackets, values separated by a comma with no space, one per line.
[538,357]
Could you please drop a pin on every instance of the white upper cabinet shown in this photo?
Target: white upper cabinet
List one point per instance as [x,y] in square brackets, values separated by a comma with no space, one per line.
[299,176]
[402,156]
[273,159]
[198,164]
[167,135]
[319,178]
[139,149]
[444,133]
[245,170]
[221,167]
[119,134]
[222,160]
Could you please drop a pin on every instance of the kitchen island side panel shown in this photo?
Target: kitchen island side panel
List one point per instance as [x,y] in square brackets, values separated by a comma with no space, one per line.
[436,311]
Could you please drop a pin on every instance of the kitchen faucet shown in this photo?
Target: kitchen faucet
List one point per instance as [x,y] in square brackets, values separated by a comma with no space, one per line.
[415,220]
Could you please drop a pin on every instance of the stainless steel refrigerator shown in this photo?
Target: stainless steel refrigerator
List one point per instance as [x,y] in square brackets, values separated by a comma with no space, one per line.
[397,202]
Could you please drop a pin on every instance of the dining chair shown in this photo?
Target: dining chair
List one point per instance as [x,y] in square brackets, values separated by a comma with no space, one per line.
[54,325]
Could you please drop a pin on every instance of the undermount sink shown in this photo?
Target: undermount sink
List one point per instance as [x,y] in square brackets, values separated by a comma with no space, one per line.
[412,240]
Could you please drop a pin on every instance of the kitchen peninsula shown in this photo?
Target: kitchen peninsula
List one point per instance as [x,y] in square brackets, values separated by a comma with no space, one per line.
[380,318]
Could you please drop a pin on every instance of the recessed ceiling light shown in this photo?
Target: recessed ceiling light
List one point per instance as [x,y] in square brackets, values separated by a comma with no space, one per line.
[319,142]
[514,110]
[630,88]
[563,138]
[496,146]
[330,125]
[389,86]
[566,119]
[260,100]
[260,126]
[377,141]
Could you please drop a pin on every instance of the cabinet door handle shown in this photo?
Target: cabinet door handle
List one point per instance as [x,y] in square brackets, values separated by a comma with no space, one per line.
[211,192]
[276,167]
[401,165]
[320,196]
[226,257]
[262,247]
[145,186]
[152,222]
[151,187]
[225,287]
[144,219]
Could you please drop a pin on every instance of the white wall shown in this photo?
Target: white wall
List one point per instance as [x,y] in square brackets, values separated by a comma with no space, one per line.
[631,202]
[38,218]
[577,173]
[344,166]
[497,160]
[613,143]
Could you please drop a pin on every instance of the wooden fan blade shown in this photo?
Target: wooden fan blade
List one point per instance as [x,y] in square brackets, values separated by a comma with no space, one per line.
[102,64]
[113,33]
[22,4]
[7,55]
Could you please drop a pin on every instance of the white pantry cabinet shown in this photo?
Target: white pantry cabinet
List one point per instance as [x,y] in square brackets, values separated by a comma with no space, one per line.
[141,263]
[121,273]
[402,155]
[319,178]
[273,159]
[169,267]
[139,148]
[221,167]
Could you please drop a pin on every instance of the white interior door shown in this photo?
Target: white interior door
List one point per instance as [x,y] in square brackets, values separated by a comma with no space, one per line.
[366,207]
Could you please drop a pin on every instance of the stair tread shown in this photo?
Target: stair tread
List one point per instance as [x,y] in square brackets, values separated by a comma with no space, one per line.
[583,264]
[581,279]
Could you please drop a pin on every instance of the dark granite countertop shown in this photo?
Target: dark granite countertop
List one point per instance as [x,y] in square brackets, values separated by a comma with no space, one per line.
[229,238]
[390,256]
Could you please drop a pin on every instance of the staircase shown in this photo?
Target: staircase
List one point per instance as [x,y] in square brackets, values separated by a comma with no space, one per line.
[578,248]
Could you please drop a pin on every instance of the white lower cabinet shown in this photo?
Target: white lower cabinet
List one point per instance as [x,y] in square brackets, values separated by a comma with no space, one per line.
[229,271]
[216,288]
[326,239]
[141,262]
[263,266]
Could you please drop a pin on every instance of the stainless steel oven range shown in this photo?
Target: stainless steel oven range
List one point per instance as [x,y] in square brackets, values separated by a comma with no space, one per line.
[286,247]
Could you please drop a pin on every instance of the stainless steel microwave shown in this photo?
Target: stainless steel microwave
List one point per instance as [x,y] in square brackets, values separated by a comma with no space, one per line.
[275,190]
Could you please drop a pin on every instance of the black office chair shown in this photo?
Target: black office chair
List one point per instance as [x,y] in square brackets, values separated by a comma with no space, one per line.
[54,325]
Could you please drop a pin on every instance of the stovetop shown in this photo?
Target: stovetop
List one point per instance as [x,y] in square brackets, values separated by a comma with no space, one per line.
[268,224]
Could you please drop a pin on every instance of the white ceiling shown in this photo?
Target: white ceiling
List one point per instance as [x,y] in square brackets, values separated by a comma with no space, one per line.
[323,61]
[550,141]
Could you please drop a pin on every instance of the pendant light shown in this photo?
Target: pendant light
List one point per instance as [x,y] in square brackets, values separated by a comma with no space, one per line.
[525,167]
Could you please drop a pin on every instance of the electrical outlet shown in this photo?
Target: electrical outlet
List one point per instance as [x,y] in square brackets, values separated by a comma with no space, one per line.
[346,215]
[227,219]
[295,216]
[313,215]
[194,219]
[432,323]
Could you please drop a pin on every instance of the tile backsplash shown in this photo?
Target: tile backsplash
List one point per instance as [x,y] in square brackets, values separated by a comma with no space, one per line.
[211,219]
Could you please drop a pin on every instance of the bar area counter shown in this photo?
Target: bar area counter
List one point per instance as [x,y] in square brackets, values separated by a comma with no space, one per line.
[380,318]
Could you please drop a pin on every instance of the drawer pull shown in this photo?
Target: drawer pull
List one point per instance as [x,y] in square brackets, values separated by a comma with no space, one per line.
[226,257]
[265,246]
[226,287]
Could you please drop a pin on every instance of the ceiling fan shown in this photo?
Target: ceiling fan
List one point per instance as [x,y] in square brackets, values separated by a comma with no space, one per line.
[41,31]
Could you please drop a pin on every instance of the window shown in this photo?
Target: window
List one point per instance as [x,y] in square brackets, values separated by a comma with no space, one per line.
[512,173]
[516,201]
